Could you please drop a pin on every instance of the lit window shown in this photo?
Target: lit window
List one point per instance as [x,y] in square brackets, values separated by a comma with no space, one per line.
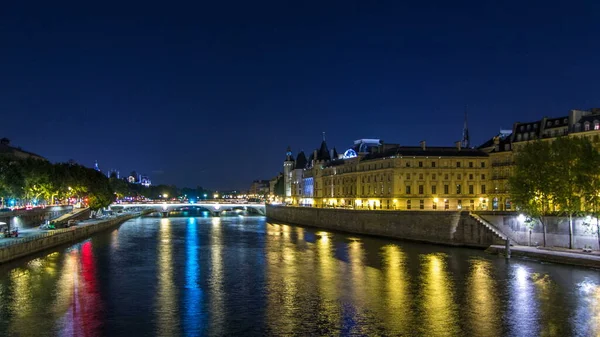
[586,126]
[596,125]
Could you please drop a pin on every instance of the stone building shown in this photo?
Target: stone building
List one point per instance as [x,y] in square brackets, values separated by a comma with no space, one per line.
[501,148]
[375,175]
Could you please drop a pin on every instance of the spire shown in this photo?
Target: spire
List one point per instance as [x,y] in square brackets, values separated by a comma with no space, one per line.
[465,138]
[96,166]
[288,154]
[323,135]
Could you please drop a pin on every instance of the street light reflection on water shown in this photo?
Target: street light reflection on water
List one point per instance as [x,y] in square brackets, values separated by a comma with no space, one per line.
[243,276]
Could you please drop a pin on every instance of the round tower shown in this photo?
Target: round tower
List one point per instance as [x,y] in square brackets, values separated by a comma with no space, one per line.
[288,166]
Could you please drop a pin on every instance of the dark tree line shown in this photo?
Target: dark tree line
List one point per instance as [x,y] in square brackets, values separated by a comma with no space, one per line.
[35,181]
[38,181]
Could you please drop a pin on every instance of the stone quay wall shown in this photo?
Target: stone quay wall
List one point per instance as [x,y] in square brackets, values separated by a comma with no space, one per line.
[28,245]
[557,230]
[441,227]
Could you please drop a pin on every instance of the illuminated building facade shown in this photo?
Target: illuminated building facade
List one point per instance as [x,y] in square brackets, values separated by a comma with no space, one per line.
[374,175]
[501,148]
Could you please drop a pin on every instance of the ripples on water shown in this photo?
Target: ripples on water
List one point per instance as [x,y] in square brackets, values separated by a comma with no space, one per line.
[243,276]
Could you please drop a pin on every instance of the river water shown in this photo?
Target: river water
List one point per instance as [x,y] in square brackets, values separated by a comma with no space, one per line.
[242,276]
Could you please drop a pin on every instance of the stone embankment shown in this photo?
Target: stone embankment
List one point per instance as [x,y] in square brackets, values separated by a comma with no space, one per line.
[441,227]
[21,247]
[571,257]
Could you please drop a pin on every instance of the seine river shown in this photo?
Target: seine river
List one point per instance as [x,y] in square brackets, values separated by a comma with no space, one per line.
[243,276]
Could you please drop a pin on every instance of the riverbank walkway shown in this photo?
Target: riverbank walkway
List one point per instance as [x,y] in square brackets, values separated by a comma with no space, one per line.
[36,233]
[556,255]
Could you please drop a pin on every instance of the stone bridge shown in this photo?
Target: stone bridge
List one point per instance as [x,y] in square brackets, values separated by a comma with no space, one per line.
[214,208]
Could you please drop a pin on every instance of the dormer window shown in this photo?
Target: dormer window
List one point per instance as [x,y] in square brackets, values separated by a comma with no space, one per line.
[566,121]
[535,126]
[549,123]
[586,126]
[577,127]
[522,127]
[528,127]
[596,125]
[556,122]
[519,137]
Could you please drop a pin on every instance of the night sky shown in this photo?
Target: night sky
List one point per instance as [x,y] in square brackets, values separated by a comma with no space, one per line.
[212,93]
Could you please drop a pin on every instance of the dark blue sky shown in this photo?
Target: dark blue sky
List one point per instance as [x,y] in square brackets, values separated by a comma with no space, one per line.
[211,93]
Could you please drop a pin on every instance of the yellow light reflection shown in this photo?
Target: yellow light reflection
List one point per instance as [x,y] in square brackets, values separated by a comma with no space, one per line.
[166,310]
[438,303]
[483,302]
[217,293]
[114,240]
[329,310]
[398,297]
[282,283]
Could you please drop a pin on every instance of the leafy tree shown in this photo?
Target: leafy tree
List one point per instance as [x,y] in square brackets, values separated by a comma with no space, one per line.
[530,183]
[568,169]
[589,181]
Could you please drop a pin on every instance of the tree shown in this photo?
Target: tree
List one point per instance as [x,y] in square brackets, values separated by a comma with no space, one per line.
[568,171]
[530,183]
[589,180]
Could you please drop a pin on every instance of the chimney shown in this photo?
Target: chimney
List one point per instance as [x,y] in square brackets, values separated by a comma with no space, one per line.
[458,145]
[423,145]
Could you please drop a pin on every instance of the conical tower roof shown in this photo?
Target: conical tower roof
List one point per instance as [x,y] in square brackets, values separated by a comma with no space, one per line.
[301,161]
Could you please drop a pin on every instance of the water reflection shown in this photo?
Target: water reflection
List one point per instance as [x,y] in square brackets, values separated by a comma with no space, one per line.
[523,309]
[328,308]
[587,314]
[397,290]
[439,307]
[166,307]
[282,281]
[483,312]
[217,292]
[220,277]
[193,319]
[114,240]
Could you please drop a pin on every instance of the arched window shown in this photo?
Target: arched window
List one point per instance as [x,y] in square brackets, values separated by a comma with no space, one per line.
[519,137]
[596,125]
[586,126]
[556,122]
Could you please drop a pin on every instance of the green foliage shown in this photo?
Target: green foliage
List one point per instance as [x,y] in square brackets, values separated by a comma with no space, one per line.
[559,177]
[530,182]
[39,180]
